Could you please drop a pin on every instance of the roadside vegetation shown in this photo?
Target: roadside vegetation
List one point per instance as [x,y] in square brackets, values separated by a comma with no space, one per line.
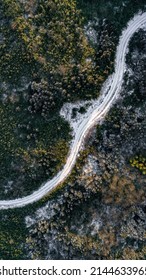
[104,21]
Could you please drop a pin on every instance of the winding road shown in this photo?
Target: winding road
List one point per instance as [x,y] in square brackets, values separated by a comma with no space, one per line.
[106,99]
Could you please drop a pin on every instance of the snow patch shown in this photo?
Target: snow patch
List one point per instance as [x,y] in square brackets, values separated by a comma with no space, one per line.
[8,187]
[67,113]
[90,31]
[67,109]
[44,213]
[95,224]
[90,167]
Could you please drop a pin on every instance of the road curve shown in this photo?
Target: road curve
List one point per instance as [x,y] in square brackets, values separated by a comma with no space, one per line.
[96,114]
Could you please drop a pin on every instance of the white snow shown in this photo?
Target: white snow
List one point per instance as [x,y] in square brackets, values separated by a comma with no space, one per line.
[91,166]
[8,187]
[90,32]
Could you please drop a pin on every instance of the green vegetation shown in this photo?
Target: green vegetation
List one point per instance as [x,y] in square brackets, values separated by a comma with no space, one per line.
[12,235]
[50,42]
[7,127]
[31,150]
[139,162]
[117,12]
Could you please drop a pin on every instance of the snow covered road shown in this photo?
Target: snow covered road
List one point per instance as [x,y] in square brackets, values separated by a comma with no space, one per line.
[95,114]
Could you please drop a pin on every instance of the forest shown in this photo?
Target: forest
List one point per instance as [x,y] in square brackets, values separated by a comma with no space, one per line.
[49,56]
